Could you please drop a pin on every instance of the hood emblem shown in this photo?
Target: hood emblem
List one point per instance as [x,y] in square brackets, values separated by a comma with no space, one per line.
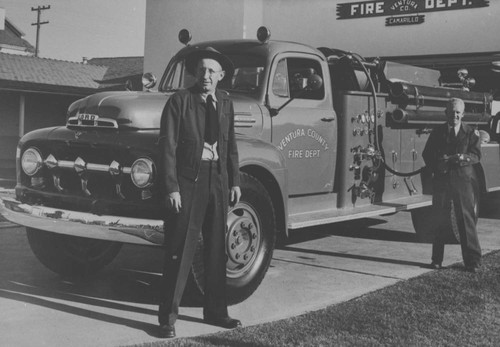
[87,117]
[85,120]
[78,134]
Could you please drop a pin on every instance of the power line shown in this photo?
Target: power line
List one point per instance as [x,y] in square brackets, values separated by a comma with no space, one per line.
[39,9]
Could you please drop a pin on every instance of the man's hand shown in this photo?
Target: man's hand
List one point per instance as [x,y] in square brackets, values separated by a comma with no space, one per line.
[235,195]
[174,201]
[455,158]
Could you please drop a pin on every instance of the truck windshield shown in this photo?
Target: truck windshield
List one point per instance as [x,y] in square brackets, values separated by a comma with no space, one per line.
[248,75]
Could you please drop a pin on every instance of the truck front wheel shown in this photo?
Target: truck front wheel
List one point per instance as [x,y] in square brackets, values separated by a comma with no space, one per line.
[250,240]
[71,256]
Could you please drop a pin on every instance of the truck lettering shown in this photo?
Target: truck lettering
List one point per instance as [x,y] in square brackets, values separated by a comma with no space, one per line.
[300,133]
[312,153]
[291,135]
[304,153]
[317,137]
[295,153]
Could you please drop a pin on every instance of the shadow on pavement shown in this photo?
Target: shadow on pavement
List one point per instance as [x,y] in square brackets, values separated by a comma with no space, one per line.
[352,256]
[129,286]
[27,297]
[361,228]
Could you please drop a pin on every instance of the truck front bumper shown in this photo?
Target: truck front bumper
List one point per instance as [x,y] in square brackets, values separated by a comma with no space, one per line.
[105,227]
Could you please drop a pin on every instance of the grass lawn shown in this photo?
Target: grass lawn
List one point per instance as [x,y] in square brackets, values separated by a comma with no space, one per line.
[447,307]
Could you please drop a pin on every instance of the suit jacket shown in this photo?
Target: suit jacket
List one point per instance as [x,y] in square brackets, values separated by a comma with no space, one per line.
[466,142]
[454,182]
[182,137]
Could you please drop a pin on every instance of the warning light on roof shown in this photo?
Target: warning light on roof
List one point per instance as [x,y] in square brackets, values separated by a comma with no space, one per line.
[184,36]
[263,34]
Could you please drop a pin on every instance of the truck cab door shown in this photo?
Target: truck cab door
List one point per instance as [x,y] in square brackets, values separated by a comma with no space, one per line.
[305,129]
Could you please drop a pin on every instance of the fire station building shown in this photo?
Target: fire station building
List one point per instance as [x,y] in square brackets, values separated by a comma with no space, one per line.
[441,34]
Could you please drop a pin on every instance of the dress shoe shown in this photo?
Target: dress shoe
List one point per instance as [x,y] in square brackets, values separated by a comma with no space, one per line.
[223,322]
[167,331]
[436,266]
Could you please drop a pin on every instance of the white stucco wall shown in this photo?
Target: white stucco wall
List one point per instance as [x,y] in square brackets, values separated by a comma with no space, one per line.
[453,31]
[205,19]
[2,19]
[315,22]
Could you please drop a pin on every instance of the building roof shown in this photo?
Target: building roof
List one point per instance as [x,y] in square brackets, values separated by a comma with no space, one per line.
[12,38]
[35,74]
[18,72]
[120,67]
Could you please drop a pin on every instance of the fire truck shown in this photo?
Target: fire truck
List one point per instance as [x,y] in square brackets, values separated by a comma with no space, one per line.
[323,136]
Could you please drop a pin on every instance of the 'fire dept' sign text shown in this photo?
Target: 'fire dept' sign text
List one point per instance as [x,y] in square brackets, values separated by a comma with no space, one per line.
[364,9]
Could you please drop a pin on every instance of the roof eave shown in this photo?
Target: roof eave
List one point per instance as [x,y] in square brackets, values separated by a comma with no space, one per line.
[30,87]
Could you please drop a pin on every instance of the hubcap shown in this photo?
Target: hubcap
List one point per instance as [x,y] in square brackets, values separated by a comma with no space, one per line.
[242,239]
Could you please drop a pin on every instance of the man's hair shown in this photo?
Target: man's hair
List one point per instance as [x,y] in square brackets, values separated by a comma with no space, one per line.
[455,101]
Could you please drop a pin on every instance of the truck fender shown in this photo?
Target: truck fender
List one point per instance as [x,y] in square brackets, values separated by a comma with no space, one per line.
[267,164]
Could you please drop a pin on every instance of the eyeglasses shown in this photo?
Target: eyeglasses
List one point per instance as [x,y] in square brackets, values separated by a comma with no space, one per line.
[211,72]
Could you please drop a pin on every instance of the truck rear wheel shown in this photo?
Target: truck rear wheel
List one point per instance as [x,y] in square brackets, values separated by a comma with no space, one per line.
[250,240]
[71,256]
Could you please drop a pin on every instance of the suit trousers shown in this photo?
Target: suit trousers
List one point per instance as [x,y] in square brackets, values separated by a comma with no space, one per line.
[466,222]
[204,210]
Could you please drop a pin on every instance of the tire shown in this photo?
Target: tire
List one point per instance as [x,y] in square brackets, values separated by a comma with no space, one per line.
[250,241]
[71,256]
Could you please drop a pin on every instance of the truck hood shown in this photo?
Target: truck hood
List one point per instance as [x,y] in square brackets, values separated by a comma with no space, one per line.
[139,110]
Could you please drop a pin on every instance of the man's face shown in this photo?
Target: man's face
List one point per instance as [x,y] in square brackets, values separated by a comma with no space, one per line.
[454,113]
[208,74]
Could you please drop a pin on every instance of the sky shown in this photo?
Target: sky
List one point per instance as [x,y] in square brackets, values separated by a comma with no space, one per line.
[82,28]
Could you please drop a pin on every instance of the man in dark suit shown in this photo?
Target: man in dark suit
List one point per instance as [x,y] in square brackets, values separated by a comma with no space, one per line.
[199,174]
[450,153]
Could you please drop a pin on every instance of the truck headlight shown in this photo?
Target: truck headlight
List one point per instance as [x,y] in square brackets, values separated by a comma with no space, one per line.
[31,161]
[142,172]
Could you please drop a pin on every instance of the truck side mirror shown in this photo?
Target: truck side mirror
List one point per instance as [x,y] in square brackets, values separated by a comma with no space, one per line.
[148,80]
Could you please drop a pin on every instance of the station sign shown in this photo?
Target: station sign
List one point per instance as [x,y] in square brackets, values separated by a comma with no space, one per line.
[406,11]
[404,20]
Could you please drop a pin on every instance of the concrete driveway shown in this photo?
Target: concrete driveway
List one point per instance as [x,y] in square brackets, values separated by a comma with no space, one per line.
[319,267]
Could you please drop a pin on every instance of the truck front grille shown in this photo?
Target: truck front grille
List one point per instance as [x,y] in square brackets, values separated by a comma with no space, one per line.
[88,179]
[78,122]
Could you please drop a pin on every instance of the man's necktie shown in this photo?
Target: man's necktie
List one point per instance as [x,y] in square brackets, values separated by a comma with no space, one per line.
[451,135]
[211,122]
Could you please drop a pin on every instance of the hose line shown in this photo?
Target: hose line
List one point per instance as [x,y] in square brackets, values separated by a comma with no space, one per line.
[359,59]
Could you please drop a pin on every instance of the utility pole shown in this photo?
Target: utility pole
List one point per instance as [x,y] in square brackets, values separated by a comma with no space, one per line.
[39,9]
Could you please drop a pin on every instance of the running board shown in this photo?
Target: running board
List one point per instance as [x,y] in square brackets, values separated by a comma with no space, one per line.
[303,220]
